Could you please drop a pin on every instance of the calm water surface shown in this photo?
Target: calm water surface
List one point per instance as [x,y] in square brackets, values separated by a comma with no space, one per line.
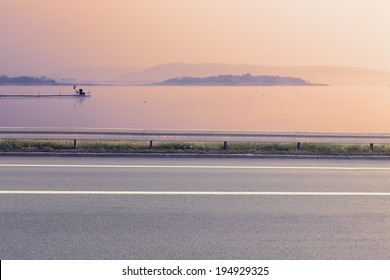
[338,108]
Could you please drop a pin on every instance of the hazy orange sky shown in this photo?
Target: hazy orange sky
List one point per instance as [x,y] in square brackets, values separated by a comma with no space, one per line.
[41,36]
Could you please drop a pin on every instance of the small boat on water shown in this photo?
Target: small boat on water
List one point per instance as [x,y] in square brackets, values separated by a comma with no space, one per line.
[81,92]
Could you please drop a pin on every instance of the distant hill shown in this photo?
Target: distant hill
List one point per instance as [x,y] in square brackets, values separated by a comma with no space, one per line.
[26,80]
[316,74]
[236,80]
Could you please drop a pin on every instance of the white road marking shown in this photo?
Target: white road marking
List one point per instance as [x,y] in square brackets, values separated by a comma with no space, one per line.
[192,193]
[194,167]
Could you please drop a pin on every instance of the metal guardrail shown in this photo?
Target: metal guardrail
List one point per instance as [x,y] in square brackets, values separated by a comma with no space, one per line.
[193,135]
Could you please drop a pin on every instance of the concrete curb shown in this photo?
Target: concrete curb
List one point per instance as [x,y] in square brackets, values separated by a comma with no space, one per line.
[186,155]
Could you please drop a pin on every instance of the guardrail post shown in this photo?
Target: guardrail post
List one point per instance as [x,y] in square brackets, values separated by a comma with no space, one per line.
[298,146]
[371,147]
[74,144]
[225,145]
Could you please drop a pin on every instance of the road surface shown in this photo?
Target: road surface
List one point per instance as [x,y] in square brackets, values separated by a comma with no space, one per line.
[138,208]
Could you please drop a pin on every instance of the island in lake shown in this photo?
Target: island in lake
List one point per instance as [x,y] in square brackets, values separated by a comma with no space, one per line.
[237,80]
[26,80]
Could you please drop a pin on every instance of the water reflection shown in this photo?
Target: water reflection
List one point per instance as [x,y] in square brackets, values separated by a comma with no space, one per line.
[79,102]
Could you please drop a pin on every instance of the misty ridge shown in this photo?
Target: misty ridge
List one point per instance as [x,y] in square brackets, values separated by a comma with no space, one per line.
[237,80]
[330,75]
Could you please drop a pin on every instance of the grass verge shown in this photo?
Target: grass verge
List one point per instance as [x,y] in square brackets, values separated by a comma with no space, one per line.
[84,146]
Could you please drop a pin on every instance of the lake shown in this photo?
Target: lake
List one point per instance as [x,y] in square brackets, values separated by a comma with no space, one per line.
[284,108]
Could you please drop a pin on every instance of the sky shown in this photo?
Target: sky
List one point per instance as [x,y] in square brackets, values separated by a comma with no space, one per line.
[43,36]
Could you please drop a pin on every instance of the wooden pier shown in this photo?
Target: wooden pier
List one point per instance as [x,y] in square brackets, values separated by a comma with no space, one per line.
[42,95]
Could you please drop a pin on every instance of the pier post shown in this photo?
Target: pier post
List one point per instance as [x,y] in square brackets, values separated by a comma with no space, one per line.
[225,145]
[150,144]
[74,144]
[371,147]
[298,146]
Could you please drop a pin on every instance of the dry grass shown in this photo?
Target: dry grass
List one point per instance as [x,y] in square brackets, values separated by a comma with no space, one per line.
[184,147]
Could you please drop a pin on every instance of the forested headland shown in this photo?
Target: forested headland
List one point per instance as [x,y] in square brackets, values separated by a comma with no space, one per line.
[26,80]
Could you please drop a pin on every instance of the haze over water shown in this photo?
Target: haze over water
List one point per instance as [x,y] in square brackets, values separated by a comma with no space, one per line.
[310,108]
[333,42]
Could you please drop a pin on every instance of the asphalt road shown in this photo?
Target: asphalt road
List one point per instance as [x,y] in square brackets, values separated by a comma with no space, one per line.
[137,208]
